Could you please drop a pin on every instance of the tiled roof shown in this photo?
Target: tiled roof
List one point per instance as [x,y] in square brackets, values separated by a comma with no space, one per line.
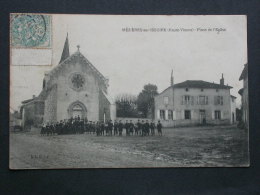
[27,101]
[200,84]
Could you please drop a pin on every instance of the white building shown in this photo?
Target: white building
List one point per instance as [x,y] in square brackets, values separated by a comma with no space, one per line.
[195,102]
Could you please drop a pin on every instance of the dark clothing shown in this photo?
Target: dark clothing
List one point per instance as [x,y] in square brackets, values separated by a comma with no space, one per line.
[110,127]
[131,128]
[152,126]
[159,128]
[120,128]
[115,128]
[127,128]
[147,128]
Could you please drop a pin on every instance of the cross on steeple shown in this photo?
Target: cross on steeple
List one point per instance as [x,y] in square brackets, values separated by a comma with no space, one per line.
[78,46]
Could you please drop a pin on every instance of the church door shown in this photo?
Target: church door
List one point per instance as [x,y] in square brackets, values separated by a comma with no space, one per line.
[77,110]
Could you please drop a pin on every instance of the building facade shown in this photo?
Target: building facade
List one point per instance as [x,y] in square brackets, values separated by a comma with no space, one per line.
[195,102]
[73,88]
[244,95]
[233,109]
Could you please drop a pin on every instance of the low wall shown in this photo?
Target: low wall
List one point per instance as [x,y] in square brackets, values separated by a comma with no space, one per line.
[187,123]
[134,120]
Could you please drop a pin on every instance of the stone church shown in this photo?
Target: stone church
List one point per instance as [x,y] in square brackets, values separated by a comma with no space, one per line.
[72,88]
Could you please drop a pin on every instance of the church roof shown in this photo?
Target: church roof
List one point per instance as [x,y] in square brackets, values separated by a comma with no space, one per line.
[87,62]
[109,98]
[198,84]
[66,58]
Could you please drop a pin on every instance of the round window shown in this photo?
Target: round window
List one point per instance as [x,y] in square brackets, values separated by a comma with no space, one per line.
[77,81]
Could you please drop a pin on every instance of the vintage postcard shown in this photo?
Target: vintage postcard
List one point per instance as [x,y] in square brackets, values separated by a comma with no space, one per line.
[128,91]
[30,39]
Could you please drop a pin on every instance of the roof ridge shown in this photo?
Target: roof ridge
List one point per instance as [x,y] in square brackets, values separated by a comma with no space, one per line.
[86,60]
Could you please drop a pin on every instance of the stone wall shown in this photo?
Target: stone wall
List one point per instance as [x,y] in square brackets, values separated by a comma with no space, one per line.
[104,107]
[50,109]
[88,96]
[28,115]
[66,95]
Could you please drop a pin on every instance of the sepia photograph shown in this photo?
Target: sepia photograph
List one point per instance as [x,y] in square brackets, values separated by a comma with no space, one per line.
[128,91]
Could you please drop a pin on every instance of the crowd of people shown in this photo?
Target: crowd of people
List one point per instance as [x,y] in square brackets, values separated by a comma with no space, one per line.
[109,128]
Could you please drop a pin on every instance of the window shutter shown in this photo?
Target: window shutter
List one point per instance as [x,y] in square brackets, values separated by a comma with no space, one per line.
[213,115]
[182,100]
[221,115]
[166,114]
[182,114]
[215,100]
[174,115]
[198,100]
[207,100]
[191,114]
[158,114]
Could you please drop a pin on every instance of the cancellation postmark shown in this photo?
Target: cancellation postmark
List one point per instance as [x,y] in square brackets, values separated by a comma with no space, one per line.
[30,31]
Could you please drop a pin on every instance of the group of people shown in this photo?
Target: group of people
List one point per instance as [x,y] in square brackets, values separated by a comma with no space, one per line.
[80,126]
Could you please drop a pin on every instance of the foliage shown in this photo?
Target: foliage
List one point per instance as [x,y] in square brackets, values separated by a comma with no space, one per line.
[145,100]
[126,105]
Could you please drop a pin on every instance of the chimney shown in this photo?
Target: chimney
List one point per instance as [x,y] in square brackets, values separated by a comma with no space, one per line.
[222,80]
[172,78]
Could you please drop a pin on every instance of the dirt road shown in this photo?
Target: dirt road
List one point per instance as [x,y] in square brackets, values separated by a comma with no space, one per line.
[208,146]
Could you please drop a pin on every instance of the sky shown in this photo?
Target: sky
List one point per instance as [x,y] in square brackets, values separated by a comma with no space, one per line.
[132,59]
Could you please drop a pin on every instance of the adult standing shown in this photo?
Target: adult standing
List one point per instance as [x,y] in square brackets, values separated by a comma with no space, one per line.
[120,127]
[159,128]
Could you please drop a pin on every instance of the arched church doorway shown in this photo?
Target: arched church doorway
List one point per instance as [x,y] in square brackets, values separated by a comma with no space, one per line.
[77,109]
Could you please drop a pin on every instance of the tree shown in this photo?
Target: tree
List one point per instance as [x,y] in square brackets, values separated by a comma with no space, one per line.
[126,105]
[145,100]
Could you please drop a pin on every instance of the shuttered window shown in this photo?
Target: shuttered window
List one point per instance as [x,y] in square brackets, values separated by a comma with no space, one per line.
[187,100]
[166,100]
[170,115]
[162,114]
[203,100]
[217,114]
[218,100]
[187,114]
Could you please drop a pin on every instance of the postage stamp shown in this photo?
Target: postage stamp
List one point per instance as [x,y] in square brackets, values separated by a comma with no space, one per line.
[30,31]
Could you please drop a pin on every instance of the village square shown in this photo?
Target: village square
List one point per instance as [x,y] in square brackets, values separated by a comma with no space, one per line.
[74,122]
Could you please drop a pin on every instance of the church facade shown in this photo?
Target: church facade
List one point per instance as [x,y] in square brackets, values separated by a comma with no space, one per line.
[74,88]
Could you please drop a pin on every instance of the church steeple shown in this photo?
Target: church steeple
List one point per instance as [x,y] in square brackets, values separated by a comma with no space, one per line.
[172,78]
[66,52]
